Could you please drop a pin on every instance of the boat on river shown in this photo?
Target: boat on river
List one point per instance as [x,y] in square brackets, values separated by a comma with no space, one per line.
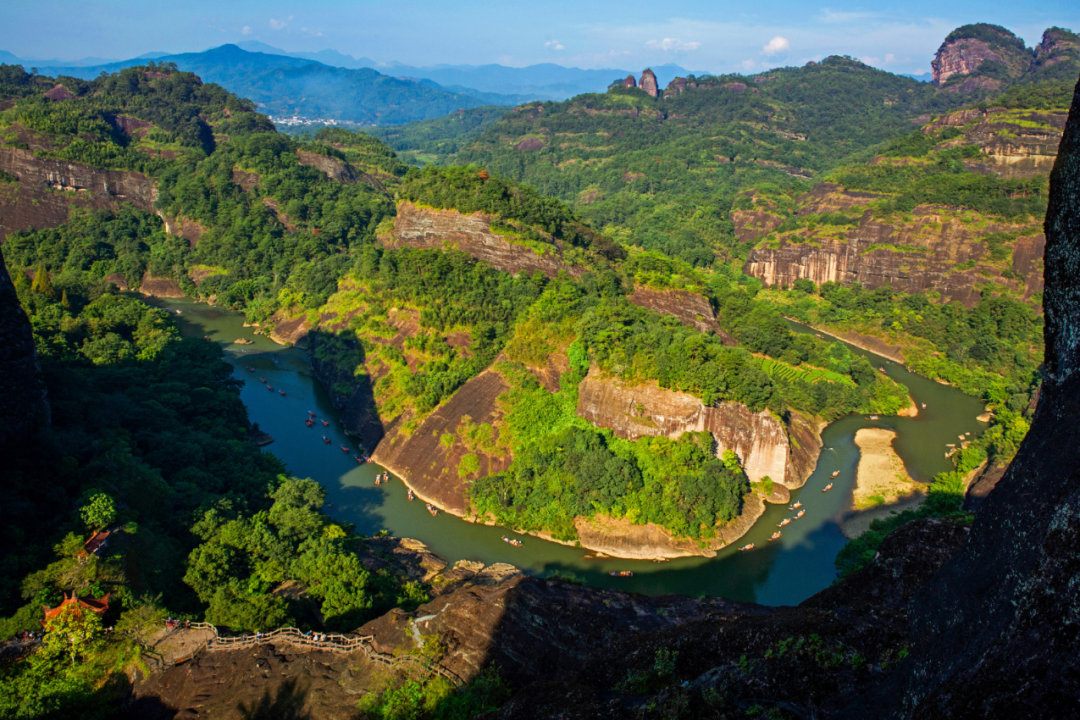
[873,417]
[262,380]
[801,513]
[270,388]
[796,506]
[345,449]
[784,522]
[827,488]
[411,496]
[747,547]
[326,439]
[324,422]
[281,393]
[515,543]
[431,509]
[378,479]
[623,573]
[775,536]
[835,474]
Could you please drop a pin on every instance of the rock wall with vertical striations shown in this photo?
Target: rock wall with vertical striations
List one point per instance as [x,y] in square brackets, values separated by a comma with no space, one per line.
[760,440]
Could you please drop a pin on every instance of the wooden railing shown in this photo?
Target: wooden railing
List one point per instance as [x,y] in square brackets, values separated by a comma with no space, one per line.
[316,641]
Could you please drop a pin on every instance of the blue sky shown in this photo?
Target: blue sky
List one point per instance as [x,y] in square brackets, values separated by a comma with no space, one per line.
[697,34]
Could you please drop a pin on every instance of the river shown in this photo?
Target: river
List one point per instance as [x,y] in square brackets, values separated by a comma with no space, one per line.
[784,572]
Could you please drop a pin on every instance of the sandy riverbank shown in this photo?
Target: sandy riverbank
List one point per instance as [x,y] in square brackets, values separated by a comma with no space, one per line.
[882,485]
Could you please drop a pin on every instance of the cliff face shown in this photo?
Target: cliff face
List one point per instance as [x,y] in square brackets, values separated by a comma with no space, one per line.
[335,169]
[760,440]
[967,48]
[916,255]
[994,633]
[24,407]
[691,309]
[425,228]
[431,466]
[648,83]
[1017,144]
[33,201]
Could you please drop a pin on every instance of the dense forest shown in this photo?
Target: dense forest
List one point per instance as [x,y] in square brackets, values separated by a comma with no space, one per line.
[148,440]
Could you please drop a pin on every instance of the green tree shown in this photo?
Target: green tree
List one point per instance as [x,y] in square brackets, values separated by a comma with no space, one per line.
[72,632]
[98,512]
[42,283]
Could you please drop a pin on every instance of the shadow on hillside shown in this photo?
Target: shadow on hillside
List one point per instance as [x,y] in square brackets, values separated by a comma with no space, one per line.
[334,358]
[288,704]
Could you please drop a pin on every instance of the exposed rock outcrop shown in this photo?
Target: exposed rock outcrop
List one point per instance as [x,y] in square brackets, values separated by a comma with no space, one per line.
[190,230]
[920,255]
[629,82]
[160,287]
[691,309]
[648,83]
[334,168]
[1016,145]
[24,407]
[431,466]
[759,439]
[1002,612]
[31,203]
[968,47]
[427,228]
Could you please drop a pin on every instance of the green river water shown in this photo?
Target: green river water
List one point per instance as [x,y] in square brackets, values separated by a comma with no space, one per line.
[784,572]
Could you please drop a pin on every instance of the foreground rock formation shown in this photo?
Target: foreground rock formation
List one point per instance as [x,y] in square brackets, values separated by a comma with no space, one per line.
[24,406]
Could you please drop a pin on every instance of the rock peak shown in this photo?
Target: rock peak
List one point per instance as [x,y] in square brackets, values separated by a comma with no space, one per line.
[648,83]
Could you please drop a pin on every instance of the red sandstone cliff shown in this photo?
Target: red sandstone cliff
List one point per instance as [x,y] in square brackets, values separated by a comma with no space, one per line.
[426,228]
[33,201]
[759,439]
[917,255]
[648,83]
[967,48]
[691,309]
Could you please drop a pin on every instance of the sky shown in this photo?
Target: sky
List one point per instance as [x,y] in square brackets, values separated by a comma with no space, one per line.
[701,35]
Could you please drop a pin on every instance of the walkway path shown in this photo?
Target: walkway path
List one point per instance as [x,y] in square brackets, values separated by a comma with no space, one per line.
[181,644]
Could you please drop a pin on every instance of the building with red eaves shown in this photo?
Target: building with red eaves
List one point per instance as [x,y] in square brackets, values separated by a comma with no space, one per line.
[97,543]
[97,605]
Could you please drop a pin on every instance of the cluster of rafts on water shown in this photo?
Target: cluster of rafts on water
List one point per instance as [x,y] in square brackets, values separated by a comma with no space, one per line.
[798,516]
[268,386]
[312,421]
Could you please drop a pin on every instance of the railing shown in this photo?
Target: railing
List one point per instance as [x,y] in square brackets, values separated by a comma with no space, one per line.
[318,641]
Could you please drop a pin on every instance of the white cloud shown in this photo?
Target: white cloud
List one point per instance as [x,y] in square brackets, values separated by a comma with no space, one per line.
[312,33]
[280,24]
[672,45]
[777,45]
[890,58]
[748,64]
[554,45]
[246,30]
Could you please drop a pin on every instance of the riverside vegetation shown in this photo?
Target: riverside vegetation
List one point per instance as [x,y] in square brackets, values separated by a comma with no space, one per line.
[137,441]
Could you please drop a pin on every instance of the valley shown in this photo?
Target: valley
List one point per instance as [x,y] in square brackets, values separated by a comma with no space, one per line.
[782,342]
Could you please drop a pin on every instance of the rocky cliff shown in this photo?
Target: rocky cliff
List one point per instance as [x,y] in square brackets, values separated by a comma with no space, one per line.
[24,407]
[936,248]
[45,190]
[427,228]
[760,440]
[648,83]
[691,309]
[334,168]
[966,49]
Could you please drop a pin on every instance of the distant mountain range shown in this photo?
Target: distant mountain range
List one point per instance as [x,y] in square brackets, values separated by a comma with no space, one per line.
[284,86]
[546,81]
[491,84]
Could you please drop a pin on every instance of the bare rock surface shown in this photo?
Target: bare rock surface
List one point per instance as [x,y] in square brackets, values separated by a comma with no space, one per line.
[424,228]
[691,309]
[759,439]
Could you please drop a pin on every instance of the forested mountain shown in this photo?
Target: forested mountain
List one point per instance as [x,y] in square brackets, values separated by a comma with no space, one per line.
[286,86]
